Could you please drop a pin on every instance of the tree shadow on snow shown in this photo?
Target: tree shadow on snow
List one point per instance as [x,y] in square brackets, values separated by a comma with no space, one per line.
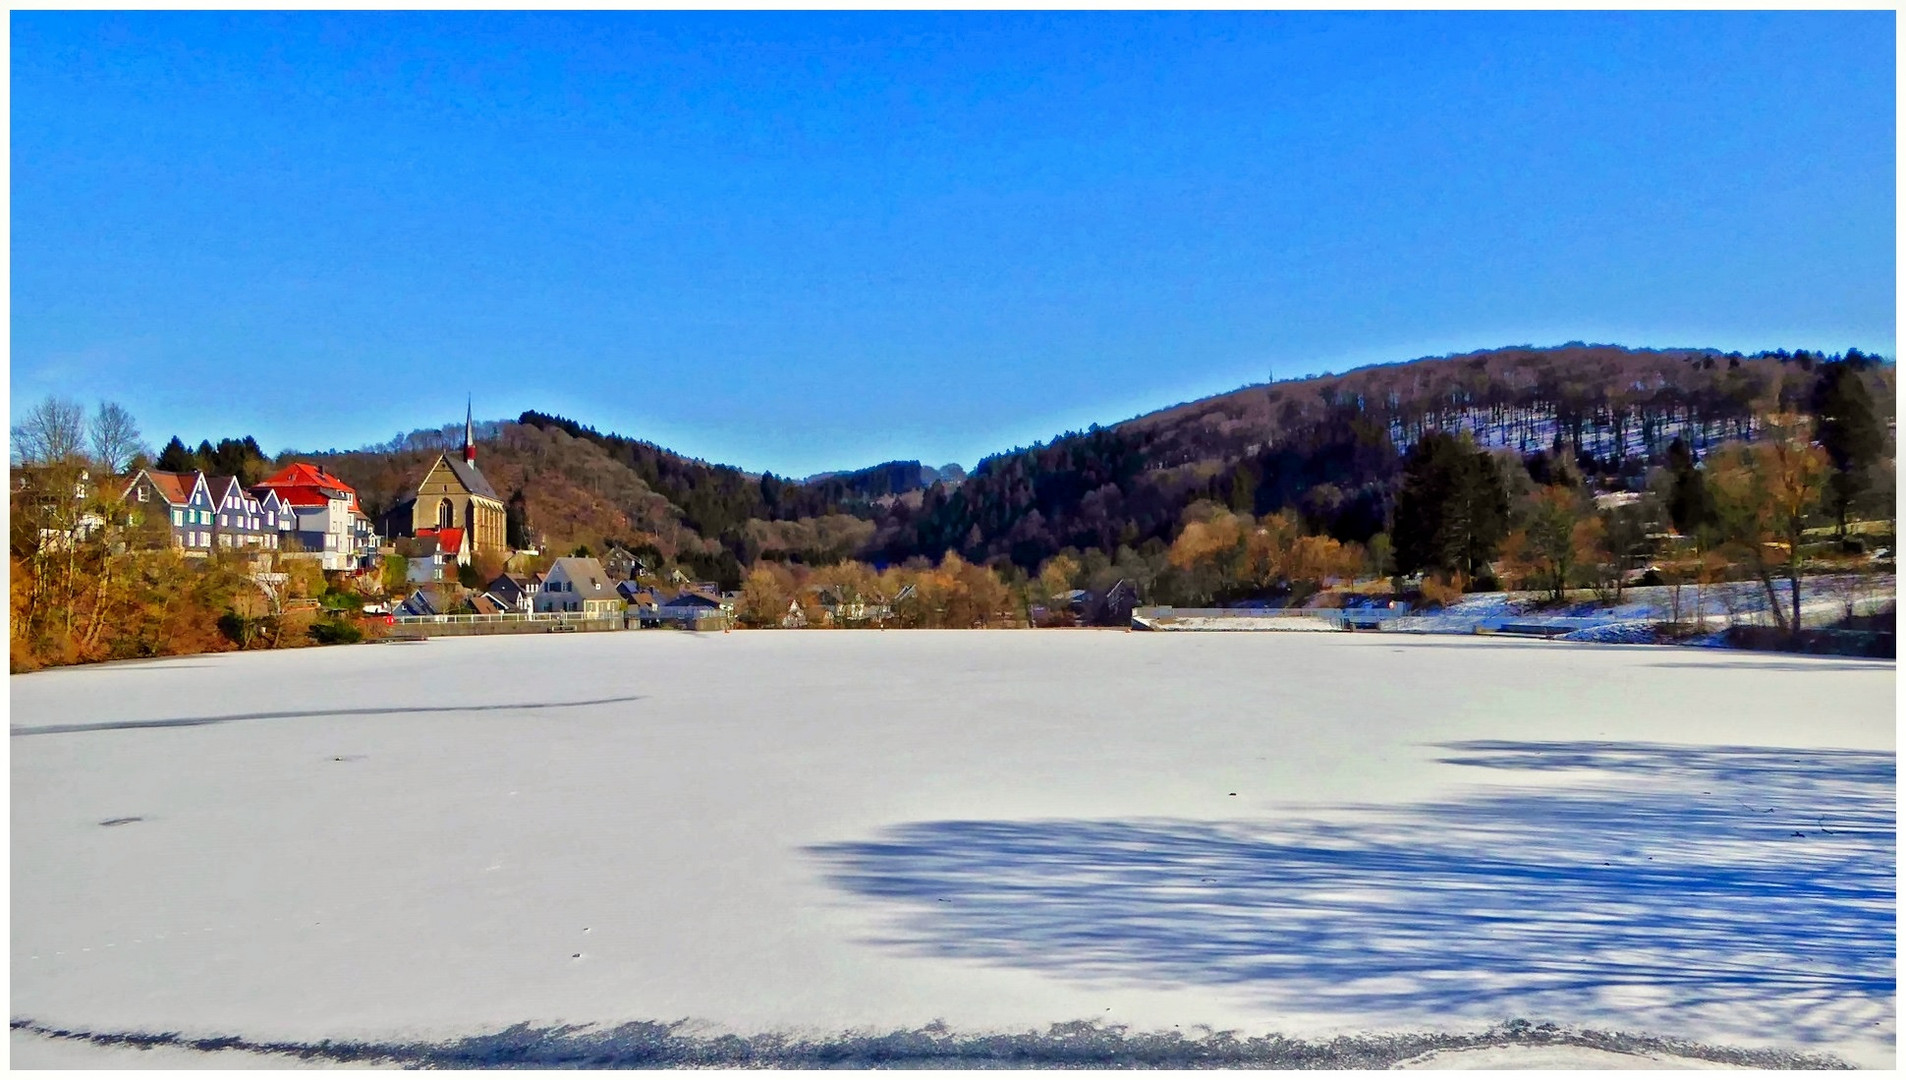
[1748,887]
[1823,664]
[200,721]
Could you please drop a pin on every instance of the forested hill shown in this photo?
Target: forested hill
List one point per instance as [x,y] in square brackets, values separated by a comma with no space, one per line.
[1606,400]
[1327,447]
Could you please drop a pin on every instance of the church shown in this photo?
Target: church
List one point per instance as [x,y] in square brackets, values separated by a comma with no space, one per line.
[455,504]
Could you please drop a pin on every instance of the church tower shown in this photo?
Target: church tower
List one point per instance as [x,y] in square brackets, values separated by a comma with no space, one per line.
[456,503]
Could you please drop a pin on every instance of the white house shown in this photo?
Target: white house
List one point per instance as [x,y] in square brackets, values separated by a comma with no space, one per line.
[579,587]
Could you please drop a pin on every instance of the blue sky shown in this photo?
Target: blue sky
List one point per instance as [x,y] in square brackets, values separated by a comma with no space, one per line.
[813,241]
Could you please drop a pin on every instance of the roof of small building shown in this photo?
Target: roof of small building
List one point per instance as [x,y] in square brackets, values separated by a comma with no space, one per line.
[448,539]
[691,599]
[515,584]
[417,547]
[418,603]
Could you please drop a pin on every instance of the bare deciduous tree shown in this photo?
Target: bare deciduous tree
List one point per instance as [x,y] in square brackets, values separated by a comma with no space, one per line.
[51,432]
[113,436]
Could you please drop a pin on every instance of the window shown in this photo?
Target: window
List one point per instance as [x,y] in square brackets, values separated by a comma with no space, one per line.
[178,517]
[142,494]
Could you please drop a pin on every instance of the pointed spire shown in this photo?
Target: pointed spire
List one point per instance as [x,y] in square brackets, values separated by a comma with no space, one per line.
[469,434]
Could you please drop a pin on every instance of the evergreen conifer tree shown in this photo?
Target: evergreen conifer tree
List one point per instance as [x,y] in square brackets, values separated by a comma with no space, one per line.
[1848,428]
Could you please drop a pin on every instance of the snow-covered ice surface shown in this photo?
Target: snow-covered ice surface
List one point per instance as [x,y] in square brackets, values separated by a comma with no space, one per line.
[826,832]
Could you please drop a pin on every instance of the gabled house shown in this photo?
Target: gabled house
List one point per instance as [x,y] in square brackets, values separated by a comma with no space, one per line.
[277,513]
[580,587]
[517,592]
[239,520]
[691,609]
[644,603]
[454,543]
[183,498]
[417,603]
[621,565]
[424,560]
[840,608]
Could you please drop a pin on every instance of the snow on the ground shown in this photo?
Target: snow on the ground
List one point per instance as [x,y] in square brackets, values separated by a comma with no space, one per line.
[862,831]
[1823,599]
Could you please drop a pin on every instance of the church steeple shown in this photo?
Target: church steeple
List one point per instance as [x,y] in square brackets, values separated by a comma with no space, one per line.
[469,434]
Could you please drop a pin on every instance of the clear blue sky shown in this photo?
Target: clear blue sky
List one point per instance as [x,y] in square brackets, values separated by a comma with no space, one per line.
[802,242]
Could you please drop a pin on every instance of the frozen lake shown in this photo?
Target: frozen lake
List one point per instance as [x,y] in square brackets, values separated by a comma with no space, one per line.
[817,832]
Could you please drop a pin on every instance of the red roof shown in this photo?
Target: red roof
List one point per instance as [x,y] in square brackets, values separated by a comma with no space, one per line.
[448,540]
[301,484]
[173,487]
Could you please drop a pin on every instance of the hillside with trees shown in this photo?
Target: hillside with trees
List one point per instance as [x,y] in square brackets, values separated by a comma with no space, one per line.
[1329,453]
[1546,470]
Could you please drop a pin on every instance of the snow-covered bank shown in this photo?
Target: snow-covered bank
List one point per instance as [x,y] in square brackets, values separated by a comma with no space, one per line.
[1824,600]
[853,831]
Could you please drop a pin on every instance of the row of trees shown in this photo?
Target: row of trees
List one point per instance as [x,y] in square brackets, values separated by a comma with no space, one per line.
[58,431]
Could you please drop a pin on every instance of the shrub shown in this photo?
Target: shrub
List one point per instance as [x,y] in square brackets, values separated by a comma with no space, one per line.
[241,630]
[336,632]
[1439,591]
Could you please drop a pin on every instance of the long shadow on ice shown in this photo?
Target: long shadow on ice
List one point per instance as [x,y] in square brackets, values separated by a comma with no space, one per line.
[1744,663]
[393,710]
[1748,887]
